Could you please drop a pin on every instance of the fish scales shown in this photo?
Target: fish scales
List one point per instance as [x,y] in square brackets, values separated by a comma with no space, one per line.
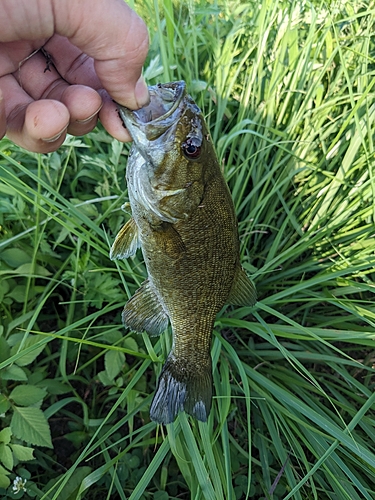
[184,221]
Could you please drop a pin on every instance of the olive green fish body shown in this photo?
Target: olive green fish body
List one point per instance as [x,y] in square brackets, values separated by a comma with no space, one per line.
[183,219]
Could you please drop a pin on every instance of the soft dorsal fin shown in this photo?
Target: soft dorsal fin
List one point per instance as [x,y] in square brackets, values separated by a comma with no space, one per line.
[144,311]
[126,242]
[243,291]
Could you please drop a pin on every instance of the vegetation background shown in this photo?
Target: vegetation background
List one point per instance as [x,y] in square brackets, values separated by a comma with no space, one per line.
[287,88]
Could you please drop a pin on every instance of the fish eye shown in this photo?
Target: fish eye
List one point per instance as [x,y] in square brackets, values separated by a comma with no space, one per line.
[191,151]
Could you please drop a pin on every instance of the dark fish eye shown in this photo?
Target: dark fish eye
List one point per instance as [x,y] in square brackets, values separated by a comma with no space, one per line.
[191,151]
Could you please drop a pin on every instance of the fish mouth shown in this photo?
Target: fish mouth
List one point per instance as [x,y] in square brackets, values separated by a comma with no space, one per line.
[163,110]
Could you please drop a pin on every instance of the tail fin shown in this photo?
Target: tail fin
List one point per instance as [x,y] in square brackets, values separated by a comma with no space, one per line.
[182,386]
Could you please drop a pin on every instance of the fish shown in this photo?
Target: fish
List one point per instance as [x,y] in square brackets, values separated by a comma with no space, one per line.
[183,219]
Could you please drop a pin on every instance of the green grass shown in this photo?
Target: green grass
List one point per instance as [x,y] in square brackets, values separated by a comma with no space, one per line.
[287,89]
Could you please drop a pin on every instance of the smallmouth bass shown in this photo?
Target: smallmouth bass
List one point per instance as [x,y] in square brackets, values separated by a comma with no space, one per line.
[184,221]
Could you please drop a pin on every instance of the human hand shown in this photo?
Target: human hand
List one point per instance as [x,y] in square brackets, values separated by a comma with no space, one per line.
[86,47]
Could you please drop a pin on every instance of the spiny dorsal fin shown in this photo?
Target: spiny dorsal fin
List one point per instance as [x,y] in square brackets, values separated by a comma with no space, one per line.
[243,291]
[126,242]
[144,312]
[182,387]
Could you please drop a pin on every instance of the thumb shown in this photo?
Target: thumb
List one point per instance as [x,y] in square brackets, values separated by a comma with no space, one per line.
[115,37]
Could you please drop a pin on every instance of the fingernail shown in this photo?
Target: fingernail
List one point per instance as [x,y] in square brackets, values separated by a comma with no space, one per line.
[90,117]
[55,137]
[141,92]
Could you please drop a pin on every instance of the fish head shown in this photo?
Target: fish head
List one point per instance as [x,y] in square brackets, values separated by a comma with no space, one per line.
[173,151]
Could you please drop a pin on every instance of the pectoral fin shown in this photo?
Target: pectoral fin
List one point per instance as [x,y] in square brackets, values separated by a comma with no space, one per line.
[126,242]
[243,291]
[144,312]
[169,240]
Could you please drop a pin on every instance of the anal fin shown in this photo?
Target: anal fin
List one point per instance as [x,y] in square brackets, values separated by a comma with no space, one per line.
[243,292]
[144,312]
[126,242]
